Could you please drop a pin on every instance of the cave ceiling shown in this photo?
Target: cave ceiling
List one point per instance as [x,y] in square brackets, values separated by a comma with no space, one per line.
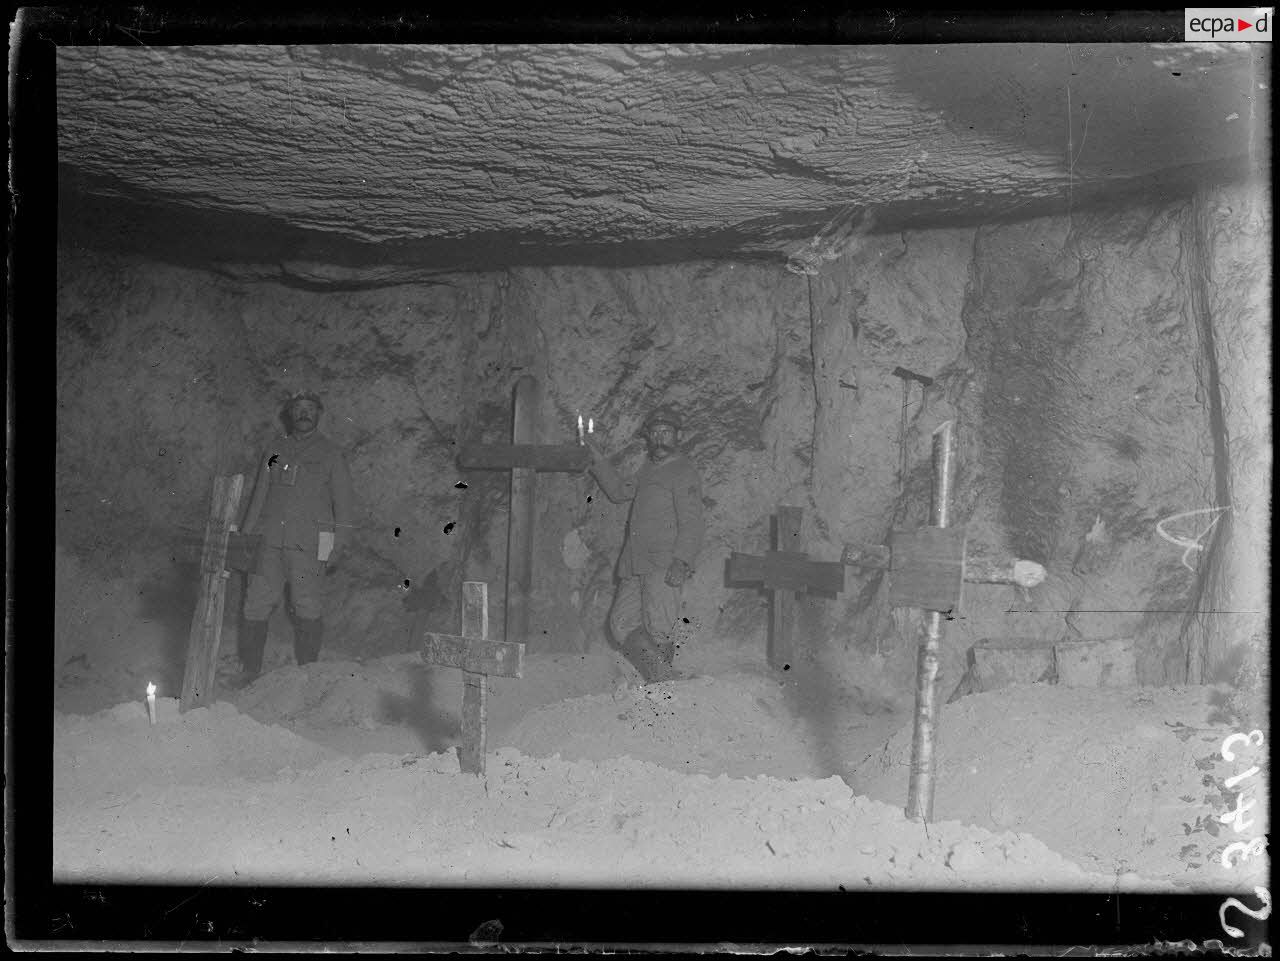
[385,161]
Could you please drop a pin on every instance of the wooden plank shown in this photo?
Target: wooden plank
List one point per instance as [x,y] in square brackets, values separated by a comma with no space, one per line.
[475,609]
[999,663]
[928,569]
[539,457]
[785,570]
[782,606]
[475,691]
[500,658]
[471,752]
[877,557]
[242,550]
[521,521]
[200,670]
[989,570]
[745,568]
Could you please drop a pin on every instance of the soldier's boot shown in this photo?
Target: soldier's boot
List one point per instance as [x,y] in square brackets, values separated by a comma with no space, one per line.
[667,650]
[308,632]
[642,651]
[250,646]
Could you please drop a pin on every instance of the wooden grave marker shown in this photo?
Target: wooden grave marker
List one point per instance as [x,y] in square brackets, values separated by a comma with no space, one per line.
[525,458]
[200,672]
[785,572]
[929,566]
[478,657]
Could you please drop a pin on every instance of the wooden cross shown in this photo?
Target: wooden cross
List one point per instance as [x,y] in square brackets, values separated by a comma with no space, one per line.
[200,672]
[785,572]
[478,657]
[525,458]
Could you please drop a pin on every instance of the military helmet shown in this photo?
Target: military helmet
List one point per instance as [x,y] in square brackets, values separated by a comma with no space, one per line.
[663,415]
[304,395]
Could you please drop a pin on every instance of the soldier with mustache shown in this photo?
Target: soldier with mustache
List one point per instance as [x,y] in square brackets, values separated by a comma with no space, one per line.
[303,488]
[664,535]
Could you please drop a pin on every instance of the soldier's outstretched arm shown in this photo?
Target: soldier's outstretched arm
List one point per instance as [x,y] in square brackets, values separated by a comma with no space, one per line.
[617,488]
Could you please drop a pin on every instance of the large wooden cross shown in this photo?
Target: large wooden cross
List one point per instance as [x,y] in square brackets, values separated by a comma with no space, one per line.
[785,572]
[478,658]
[525,458]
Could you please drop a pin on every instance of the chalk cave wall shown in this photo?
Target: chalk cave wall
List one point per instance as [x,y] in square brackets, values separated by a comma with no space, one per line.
[1066,350]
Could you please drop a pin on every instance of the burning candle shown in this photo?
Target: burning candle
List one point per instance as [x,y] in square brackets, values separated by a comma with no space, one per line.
[591,425]
[580,429]
[151,702]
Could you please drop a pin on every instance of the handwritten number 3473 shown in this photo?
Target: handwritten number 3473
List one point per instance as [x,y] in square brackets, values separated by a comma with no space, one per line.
[1244,849]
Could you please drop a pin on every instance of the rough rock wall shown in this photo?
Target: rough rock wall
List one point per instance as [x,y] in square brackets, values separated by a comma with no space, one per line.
[1063,348]
[1228,268]
[190,370]
[1067,352]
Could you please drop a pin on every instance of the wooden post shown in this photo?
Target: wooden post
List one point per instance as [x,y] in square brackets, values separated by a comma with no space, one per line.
[920,789]
[524,481]
[475,692]
[200,672]
[782,604]
[477,657]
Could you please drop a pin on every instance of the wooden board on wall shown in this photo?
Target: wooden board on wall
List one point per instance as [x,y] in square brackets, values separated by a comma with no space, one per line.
[927,570]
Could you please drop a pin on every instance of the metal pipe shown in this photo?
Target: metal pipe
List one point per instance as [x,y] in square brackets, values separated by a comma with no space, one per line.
[920,789]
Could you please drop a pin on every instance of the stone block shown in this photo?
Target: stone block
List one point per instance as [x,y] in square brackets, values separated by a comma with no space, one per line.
[1108,662]
[1000,662]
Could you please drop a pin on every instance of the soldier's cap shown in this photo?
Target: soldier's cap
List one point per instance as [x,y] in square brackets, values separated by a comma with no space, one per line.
[663,415]
[305,395]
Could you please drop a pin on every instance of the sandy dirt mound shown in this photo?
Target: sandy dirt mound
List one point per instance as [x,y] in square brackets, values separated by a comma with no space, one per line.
[118,751]
[415,819]
[401,704]
[702,725]
[1117,780]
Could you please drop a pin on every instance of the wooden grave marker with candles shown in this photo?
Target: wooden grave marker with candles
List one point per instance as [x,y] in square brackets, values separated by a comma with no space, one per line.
[525,458]
[200,672]
[785,572]
[928,568]
[478,658]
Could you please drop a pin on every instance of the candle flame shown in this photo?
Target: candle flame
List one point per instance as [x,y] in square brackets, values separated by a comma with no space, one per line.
[151,690]
[591,425]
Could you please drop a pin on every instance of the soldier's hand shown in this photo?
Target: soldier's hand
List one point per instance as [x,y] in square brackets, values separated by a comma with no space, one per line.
[598,457]
[677,573]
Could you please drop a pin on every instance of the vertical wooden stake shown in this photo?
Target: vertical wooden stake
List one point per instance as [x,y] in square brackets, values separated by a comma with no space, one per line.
[920,789]
[201,667]
[786,537]
[475,623]
[527,400]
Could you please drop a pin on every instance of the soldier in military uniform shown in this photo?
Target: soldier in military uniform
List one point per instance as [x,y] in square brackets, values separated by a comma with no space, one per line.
[302,501]
[663,537]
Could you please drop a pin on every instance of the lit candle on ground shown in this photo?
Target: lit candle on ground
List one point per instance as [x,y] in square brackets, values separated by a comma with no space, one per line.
[591,425]
[579,428]
[151,702]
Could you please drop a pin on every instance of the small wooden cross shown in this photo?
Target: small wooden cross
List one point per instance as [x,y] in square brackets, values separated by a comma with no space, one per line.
[477,657]
[785,572]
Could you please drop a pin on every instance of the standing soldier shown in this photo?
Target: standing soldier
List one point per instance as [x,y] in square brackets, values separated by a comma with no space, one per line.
[302,506]
[664,535]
